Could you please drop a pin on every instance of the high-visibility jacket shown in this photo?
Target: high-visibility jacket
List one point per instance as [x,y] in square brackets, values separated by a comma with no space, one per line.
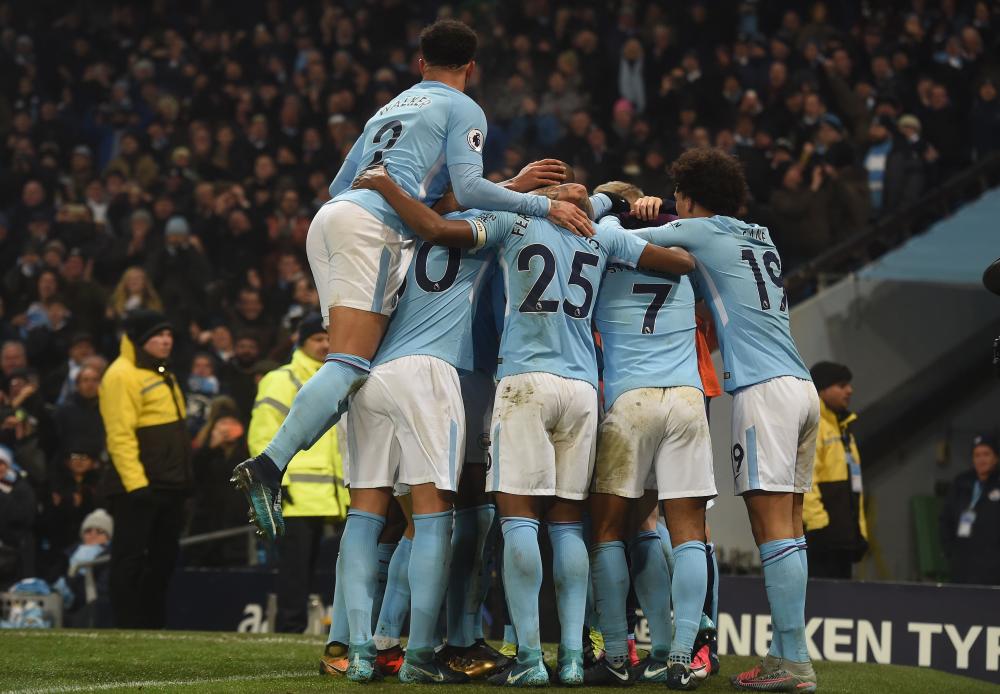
[832,505]
[314,480]
[144,420]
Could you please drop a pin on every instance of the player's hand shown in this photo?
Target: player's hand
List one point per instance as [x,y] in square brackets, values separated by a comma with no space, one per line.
[538,174]
[569,216]
[371,178]
[647,208]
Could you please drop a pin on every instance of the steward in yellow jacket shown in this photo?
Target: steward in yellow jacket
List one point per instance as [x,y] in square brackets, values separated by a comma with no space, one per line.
[314,495]
[833,511]
[150,476]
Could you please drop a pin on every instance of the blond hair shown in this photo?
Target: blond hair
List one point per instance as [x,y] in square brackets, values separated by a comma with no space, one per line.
[629,191]
[150,299]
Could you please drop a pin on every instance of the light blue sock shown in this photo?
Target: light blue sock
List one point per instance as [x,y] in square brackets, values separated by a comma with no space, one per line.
[396,604]
[359,547]
[385,550]
[485,572]
[340,631]
[468,541]
[668,548]
[803,553]
[688,585]
[522,575]
[785,582]
[429,559]
[651,579]
[317,406]
[571,574]
[509,635]
[610,580]
[715,583]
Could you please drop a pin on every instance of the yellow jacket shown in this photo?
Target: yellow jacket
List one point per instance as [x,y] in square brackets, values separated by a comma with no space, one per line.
[315,477]
[143,412]
[832,505]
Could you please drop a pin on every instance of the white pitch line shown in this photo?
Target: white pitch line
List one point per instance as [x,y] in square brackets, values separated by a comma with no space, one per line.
[138,684]
[165,636]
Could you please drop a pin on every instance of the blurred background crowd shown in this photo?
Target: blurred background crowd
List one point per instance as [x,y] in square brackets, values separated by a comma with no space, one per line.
[170,156]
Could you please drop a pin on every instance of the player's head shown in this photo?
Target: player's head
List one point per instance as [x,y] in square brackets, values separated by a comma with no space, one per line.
[448,45]
[707,182]
[568,192]
[629,191]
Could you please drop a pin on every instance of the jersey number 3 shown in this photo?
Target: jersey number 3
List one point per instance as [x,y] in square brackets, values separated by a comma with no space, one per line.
[533,301]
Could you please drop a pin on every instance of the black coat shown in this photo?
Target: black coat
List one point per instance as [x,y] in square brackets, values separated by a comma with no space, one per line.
[974,559]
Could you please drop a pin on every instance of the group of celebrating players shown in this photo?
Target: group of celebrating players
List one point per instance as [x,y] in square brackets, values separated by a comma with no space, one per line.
[513,289]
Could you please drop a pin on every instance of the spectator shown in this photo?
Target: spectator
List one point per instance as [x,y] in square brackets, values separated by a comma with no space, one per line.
[180,272]
[90,607]
[970,518]
[17,521]
[202,389]
[132,162]
[13,357]
[238,373]
[895,172]
[60,383]
[221,444]
[833,511]
[84,298]
[985,120]
[315,495]
[133,292]
[72,496]
[150,476]
[77,420]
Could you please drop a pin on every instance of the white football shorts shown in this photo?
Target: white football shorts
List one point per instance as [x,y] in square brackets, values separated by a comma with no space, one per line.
[774,435]
[655,438]
[407,426]
[543,434]
[356,260]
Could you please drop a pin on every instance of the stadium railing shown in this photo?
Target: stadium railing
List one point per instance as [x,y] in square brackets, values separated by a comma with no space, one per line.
[887,233]
[90,585]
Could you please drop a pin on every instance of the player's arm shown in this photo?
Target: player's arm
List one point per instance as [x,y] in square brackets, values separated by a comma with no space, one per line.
[464,154]
[672,234]
[537,174]
[425,222]
[635,250]
[348,170]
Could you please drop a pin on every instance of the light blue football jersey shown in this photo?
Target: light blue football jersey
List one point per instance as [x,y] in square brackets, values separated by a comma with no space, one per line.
[435,314]
[551,280]
[647,326]
[739,275]
[417,136]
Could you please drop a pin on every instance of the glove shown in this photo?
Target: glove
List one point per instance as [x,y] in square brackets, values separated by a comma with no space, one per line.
[619,205]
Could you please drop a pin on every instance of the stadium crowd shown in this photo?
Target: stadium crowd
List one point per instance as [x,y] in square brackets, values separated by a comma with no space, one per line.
[171,158]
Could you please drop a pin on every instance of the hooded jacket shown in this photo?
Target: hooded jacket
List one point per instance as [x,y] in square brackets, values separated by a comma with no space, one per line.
[143,412]
[832,507]
[314,481]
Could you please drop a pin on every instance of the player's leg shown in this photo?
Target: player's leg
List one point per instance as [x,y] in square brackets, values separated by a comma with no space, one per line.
[652,581]
[468,582]
[395,603]
[776,472]
[574,438]
[388,540]
[358,265]
[374,460]
[522,473]
[625,448]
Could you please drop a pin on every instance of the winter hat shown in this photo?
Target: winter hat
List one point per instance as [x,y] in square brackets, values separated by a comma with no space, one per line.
[142,324]
[310,324]
[985,440]
[98,520]
[827,373]
[177,226]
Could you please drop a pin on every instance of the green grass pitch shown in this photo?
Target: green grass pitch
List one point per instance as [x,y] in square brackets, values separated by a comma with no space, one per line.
[120,661]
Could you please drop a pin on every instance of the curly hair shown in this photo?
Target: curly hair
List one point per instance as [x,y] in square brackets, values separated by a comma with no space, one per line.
[448,43]
[711,178]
